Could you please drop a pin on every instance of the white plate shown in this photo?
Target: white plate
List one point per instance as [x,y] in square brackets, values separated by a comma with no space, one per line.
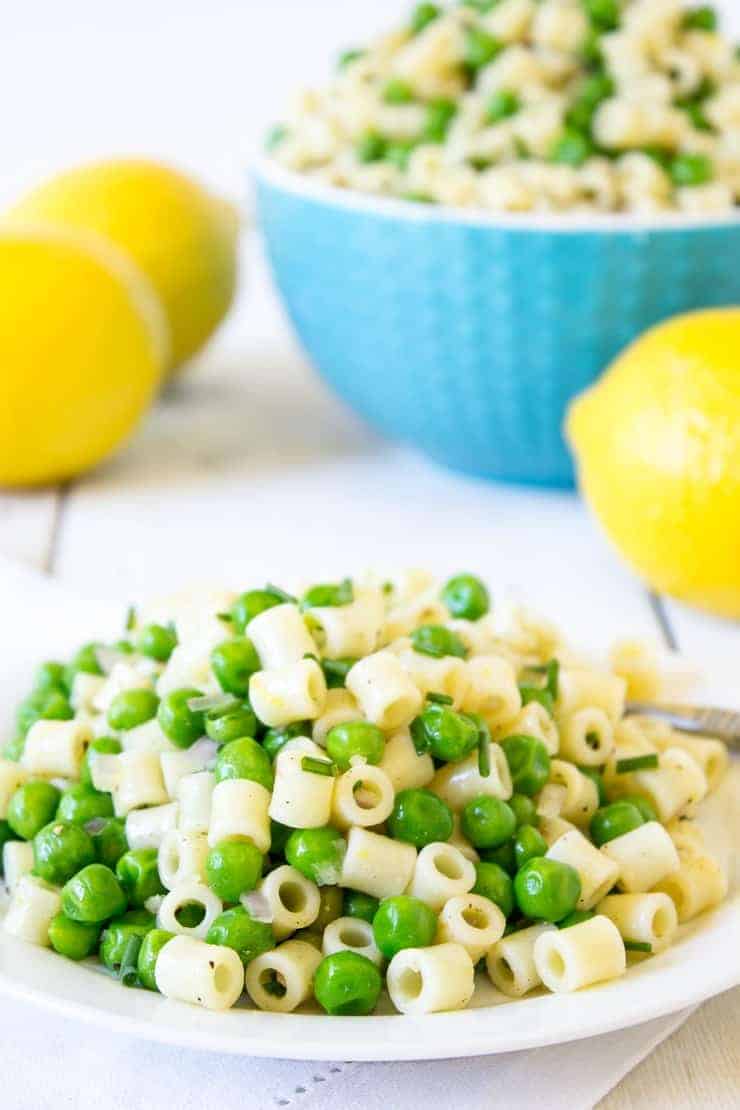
[704,962]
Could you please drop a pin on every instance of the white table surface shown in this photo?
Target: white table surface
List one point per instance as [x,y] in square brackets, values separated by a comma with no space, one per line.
[248,467]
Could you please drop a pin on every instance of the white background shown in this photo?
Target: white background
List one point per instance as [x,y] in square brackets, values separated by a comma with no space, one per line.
[194,81]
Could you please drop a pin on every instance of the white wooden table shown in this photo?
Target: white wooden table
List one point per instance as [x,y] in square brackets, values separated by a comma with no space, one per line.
[248,468]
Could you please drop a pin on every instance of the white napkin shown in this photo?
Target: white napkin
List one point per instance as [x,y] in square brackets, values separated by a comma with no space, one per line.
[48,1060]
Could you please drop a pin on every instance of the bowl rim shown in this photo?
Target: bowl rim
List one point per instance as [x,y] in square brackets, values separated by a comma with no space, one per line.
[267,169]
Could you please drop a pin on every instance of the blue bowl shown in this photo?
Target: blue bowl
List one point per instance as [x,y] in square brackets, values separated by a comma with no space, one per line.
[468,334]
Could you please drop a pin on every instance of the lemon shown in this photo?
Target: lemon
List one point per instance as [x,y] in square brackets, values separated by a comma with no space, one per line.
[83,347]
[657,442]
[182,237]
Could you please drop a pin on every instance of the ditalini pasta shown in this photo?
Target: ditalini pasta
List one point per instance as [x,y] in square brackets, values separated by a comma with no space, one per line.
[307,796]
[522,105]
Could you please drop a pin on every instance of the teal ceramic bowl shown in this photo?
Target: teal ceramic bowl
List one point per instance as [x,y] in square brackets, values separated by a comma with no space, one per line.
[467,334]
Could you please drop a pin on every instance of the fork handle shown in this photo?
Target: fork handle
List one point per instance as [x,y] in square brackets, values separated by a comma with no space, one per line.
[722,723]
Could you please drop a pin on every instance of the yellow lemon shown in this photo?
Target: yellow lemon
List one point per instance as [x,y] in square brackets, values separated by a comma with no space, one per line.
[83,347]
[657,442]
[182,237]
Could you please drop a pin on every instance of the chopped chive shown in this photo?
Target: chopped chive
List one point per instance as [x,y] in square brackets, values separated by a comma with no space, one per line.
[277,592]
[440,699]
[311,655]
[225,616]
[130,618]
[336,671]
[387,588]
[318,766]
[419,736]
[637,763]
[536,693]
[484,750]
[128,972]
[638,946]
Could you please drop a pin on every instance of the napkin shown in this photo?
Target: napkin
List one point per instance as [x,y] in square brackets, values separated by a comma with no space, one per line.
[49,1060]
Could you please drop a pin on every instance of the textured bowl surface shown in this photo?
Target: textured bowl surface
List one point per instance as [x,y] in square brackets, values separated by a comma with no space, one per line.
[468,335]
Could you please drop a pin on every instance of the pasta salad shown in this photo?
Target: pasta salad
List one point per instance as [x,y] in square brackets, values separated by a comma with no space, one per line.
[373,783]
[523,105]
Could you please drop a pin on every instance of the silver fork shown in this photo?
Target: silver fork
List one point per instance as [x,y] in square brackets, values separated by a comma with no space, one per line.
[710,721]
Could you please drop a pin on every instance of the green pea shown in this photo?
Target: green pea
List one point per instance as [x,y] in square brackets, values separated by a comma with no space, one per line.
[422,16]
[403,922]
[419,817]
[60,850]
[529,763]
[234,662]
[691,169]
[181,725]
[137,873]
[352,738]
[598,780]
[33,805]
[547,890]
[399,151]
[439,116]
[357,904]
[119,932]
[614,820]
[347,983]
[437,641]
[573,148]
[244,759]
[575,918]
[604,14]
[276,738]
[250,604]
[528,844]
[94,894]
[230,723]
[328,594]
[45,705]
[72,939]
[317,854]
[503,856]
[492,882]
[592,92]
[105,745]
[85,661]
[448,735]
[157,641]
[233,867]
[278,837]
[487,822]
[50,676]
[480,48]
[397,91]
[644,807]
[235,929]
[523,808]
[501,105]
[109,840]
[80,804]
[703,18]
[152,944]
[370,147]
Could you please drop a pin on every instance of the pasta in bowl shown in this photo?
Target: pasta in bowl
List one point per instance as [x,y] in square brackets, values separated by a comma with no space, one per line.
[491,201]
[304,796]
